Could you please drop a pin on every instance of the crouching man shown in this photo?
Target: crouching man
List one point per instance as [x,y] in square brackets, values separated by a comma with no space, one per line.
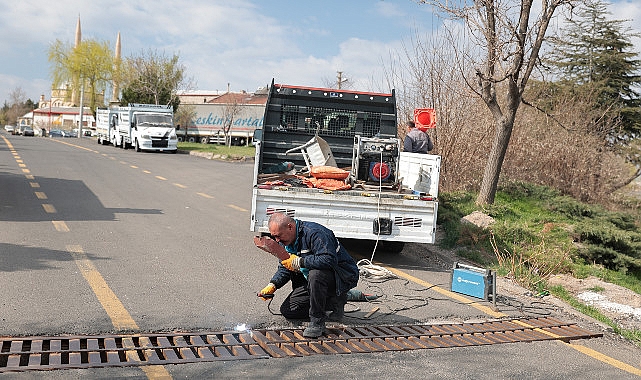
[320,269]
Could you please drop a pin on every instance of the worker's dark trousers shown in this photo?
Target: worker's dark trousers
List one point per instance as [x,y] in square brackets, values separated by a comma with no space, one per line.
[308,299]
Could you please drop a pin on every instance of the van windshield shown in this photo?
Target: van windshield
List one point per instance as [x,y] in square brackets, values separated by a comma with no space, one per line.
[154,120]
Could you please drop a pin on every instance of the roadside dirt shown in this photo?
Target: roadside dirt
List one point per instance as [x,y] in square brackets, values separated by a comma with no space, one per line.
[621,305]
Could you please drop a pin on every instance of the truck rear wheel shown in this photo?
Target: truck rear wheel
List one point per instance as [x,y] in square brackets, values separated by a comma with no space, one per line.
[392,246]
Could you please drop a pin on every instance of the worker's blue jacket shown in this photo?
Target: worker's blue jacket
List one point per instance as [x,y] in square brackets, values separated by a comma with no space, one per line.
[318,248]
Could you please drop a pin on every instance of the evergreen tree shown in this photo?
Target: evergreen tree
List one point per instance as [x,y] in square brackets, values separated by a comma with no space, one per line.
[595,55]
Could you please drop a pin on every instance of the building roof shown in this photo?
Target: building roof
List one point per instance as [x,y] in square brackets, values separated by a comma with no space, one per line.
[239,98]
[62,111]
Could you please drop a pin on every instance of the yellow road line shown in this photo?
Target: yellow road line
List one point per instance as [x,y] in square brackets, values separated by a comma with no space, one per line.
[73,145]
[604,358]
[161,178]
[34,184]
[487,310]
[447,293]
[179,185]
[60,226]
[205,195]
[133,166]
[146,171]
[237,208]
[26,171]
[29,176]
[40,195]
[49,209]
[120,317]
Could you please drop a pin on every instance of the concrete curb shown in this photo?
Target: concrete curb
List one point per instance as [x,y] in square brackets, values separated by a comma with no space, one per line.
[212,156]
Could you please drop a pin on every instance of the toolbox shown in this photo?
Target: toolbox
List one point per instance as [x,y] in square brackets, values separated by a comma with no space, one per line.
[473,281]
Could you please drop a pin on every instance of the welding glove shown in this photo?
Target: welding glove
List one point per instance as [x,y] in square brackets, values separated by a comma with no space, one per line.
[293,263]
[267,290]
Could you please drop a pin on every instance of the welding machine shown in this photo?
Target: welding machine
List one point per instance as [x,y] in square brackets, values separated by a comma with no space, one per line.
[472,281]
[375,160]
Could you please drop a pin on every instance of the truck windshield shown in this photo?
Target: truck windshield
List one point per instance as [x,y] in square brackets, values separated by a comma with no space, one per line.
[154,120]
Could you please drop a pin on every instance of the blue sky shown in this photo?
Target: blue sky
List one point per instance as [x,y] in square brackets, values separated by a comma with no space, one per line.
[245,43]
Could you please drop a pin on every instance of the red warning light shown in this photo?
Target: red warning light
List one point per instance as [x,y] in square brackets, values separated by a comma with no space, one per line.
[425,118]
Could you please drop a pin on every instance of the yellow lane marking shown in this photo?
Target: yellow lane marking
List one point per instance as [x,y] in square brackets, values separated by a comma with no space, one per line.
[447,293]
[19,161]
[40,195]
[179,185]
[146,171]
[133,166]
[120,317]
[34,184]
[26,171]
[104,154]
[73,145]
[161,178]
[29,176]
[237,208]
[60,226]
[113,158]
[604,358]
[487,310]
[124,163]
[49,209]
[205,195]
[22,165]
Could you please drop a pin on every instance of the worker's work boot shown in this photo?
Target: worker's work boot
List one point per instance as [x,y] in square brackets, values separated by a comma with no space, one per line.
[336,306]
[315,329]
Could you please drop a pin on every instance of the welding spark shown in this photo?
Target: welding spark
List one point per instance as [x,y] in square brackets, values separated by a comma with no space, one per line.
[243,327]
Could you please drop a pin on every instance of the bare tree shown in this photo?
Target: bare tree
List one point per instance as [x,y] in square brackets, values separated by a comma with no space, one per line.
[509,42]
[17,105]
[231,111]
[183,118]
[153,78]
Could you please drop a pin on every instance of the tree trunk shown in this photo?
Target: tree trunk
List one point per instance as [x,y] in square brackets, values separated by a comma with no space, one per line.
[495,161]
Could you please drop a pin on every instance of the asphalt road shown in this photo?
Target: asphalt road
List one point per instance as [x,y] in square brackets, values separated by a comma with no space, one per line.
[95,239]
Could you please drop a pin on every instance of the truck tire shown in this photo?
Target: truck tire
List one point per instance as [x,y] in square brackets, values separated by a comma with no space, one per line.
[392,246]
[204,140]
[192,139]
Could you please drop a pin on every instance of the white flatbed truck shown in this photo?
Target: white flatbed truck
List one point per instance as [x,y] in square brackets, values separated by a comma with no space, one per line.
[393,196]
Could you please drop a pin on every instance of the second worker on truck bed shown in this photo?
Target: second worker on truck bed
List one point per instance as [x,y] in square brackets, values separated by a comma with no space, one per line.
[320,269]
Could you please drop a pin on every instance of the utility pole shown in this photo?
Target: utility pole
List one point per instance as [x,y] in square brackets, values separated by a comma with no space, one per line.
[340,80]
[82,106]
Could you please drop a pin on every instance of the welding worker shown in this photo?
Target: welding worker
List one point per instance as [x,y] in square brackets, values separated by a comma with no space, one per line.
[320,269]
[416,141]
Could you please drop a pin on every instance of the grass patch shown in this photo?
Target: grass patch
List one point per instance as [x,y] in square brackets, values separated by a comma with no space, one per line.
[539,232]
